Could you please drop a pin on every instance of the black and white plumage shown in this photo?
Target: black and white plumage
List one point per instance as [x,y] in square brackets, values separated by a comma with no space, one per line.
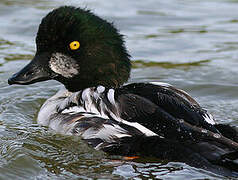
[142,119]
[88,56]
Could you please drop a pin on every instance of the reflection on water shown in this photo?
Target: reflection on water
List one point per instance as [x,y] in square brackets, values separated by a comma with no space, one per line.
[143,64]
[12,57]
[191,44]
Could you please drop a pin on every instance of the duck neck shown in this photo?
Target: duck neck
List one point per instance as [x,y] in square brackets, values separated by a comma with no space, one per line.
[109,80]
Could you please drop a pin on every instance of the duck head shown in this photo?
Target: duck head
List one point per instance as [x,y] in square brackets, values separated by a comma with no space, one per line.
[78,49]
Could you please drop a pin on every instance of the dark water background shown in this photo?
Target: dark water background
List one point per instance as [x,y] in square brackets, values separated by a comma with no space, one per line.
[188,43]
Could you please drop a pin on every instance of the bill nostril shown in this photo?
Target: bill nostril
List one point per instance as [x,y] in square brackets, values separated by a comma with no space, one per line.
[29,73]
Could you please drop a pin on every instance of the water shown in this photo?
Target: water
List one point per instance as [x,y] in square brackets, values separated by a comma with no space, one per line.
[190,44]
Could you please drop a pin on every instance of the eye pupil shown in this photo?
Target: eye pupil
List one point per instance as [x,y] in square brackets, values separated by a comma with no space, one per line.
[74,45]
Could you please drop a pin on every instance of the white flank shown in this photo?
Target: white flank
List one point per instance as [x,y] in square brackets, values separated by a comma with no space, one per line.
[49,107]
[108,132]
[73,110]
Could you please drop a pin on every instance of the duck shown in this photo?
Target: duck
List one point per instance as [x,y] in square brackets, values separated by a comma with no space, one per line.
[87,54]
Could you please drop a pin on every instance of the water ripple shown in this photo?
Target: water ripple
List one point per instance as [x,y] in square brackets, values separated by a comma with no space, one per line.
[190,44]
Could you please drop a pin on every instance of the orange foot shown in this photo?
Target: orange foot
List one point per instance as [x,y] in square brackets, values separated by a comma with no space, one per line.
[130,157]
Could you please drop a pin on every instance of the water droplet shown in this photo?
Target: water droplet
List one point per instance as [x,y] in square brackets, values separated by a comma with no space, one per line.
[204,131]
[181,121]
[217,135]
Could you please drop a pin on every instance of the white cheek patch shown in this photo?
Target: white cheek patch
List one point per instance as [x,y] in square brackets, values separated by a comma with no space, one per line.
[63,65]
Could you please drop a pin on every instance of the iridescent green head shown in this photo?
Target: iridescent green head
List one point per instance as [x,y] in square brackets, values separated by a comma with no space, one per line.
[78,49]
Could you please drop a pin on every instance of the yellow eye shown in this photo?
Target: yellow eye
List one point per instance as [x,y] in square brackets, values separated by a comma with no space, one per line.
[74,45]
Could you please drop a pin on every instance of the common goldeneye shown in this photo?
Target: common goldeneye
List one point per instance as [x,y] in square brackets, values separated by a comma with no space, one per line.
[87,55]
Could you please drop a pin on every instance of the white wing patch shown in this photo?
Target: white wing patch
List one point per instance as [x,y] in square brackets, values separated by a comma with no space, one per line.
[100,89]
[107,133]
[141,128]
[90,103]
[161,84]
[87,96]
[110,96]
[209,118]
